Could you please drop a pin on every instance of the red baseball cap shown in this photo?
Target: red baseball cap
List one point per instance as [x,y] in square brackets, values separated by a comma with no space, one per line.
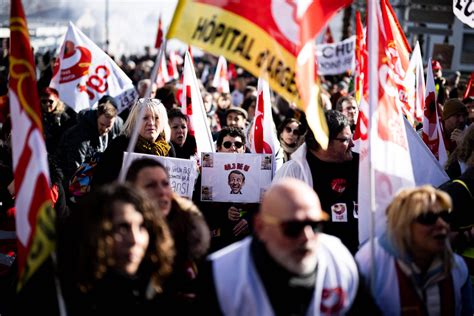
[435,65]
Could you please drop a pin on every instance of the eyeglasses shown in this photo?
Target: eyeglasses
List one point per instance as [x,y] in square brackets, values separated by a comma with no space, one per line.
[228,144]
[292,229]
[47,101]
[295,131]
[346,140]
[430,217]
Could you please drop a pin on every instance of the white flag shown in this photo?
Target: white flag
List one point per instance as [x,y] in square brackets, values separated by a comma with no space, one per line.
[221,81]
[193,107]
[415,83]
[432,131]
[84,73]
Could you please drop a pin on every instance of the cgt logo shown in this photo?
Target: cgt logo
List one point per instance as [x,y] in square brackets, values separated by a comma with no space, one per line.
[332,300]
[75,63]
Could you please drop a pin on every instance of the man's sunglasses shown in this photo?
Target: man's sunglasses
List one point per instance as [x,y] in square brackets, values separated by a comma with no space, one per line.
[430,217]
[292,229]
[229,144]
[295,131]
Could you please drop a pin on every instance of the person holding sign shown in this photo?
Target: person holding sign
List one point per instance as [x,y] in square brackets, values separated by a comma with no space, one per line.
[228,222]
[153,139]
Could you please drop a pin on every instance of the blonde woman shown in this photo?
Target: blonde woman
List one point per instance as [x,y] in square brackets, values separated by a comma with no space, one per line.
[415,269]
[153,139]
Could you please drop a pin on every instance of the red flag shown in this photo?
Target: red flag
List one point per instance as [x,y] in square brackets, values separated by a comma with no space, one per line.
[263,133]
[311,18]
[327,38]
[159,34]
[221,80]
[173,65]
[470,87]
[432,127]
[389,148]
[163,76]
[3,108]
[34,213]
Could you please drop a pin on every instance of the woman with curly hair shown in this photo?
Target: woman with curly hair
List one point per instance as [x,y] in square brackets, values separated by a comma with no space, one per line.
[153,139]
[114,254]
[415,271]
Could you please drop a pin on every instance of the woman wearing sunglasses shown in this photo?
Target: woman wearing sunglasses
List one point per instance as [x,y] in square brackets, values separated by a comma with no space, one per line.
[416,271]
[290,134]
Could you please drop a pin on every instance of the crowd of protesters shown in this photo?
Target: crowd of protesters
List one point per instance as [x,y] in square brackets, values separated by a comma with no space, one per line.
[139,248]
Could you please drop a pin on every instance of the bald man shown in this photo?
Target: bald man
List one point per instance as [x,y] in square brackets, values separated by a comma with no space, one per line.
[289,267]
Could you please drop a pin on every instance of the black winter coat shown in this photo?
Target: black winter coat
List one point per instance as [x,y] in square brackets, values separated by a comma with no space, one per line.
[82,141]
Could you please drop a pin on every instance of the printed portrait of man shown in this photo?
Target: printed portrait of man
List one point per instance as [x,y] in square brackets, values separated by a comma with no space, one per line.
[207,161]
[236,180]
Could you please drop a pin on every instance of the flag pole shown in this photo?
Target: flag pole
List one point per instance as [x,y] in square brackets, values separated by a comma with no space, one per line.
[373,99]
[138,125]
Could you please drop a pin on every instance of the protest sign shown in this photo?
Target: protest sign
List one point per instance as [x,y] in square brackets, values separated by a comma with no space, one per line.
[182,172]
[464,11]
[239,178]
[336,58]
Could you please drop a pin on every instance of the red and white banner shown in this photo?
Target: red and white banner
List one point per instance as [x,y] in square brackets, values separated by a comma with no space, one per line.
[221,80]
[432,128]
[415,83]
[263,137]
[193,107]
[35,216]
[388,142]
[84,73]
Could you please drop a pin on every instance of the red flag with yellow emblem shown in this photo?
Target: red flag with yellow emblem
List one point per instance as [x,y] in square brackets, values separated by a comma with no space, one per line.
[34,213]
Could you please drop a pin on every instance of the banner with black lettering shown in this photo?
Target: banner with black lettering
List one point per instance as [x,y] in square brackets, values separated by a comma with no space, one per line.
[336,58]
[182,172]
[232,30]
[239,178]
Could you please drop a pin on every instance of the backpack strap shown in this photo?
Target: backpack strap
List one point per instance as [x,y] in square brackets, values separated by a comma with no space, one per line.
[464,185]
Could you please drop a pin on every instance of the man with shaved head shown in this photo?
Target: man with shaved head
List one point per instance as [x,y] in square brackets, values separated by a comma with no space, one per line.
[289,267]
